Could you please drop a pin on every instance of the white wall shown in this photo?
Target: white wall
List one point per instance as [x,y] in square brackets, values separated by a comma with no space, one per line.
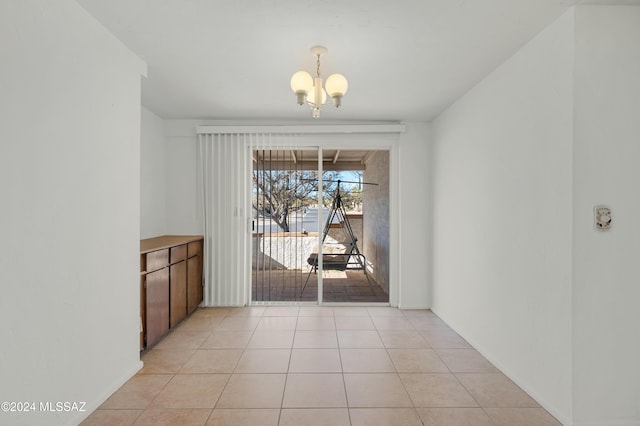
[69,170]
[502,216]
[413,218]
[183,215]
[153,176]
[606,289]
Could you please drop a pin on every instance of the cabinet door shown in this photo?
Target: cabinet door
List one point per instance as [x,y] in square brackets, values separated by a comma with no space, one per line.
[143,309]
[194,282]
[178,310]
[157,312]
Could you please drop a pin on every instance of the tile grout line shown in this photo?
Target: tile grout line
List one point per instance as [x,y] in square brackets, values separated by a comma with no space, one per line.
[286,379]
[235,366]
[462,384]
[413,403]
[344,382]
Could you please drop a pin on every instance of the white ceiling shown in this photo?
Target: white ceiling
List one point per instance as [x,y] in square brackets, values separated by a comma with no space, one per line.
[404,59]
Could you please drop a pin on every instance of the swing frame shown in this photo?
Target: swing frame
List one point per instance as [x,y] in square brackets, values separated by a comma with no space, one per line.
[339,261]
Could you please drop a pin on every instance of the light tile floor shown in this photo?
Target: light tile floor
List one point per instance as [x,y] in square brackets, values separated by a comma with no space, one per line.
[317,366]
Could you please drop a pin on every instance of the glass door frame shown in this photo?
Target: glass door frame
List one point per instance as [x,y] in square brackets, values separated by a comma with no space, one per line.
[362,141]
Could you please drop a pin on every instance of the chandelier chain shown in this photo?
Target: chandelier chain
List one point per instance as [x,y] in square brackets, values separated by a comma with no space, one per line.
[318,66]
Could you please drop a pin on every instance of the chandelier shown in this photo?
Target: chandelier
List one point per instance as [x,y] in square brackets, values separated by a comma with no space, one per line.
[310,90]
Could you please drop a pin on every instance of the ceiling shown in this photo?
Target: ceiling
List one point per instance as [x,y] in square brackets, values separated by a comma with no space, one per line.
[405,59]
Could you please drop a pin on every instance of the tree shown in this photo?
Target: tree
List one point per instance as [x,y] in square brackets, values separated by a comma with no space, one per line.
[276,192]
[351,198]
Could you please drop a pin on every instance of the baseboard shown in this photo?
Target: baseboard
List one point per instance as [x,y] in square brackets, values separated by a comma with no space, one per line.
[542,401]
[610,423]
[93,405]
[406,307]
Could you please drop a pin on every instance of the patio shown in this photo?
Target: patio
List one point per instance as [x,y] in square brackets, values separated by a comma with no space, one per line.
[338,286]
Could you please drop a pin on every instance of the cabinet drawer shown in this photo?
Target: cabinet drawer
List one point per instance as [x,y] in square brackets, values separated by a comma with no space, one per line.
[157,259]
[178,253]
[195,248]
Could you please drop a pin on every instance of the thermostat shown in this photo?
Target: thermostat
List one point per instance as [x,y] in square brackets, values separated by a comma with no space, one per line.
[602,218]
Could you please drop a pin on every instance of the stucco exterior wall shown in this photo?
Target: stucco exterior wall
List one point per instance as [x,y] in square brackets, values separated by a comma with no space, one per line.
[375,199]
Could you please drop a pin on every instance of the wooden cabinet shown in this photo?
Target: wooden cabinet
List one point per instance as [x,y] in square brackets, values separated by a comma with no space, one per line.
[170,283]
[157,293]
[178,293]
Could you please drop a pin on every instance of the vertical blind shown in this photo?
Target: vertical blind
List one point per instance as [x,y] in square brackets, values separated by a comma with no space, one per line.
[224,174]
[225,184]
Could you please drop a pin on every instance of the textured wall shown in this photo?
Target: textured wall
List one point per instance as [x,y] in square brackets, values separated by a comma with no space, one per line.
[375,244]
[340,234]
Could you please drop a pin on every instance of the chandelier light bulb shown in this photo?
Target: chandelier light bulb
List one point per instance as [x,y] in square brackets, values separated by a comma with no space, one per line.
[337,86]
[302,85]
[310,89]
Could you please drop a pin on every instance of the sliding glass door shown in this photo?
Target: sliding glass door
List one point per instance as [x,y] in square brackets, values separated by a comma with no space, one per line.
[355,239]
[320,225]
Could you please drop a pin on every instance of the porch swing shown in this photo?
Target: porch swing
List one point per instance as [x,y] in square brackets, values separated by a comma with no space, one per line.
[351,258]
